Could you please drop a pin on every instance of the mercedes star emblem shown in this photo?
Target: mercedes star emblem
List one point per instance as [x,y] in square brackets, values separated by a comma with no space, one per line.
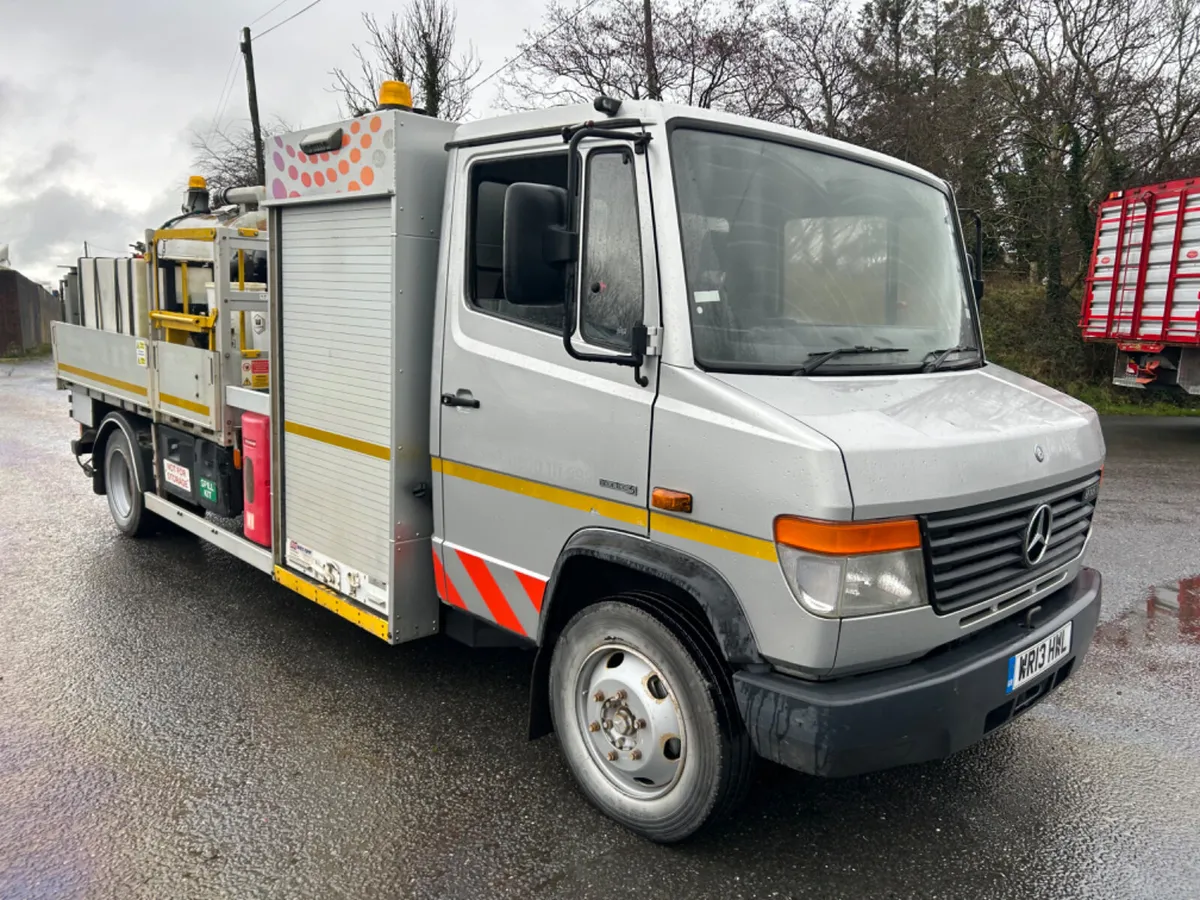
[1037,534]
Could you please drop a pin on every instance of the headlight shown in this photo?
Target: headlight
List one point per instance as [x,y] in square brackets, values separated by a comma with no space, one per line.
[853,569]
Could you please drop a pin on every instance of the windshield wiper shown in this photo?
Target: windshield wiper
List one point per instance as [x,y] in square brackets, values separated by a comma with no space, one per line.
[935,358]
[823,356]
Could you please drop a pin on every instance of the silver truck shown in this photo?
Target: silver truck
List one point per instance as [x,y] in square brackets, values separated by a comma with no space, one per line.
[693,405]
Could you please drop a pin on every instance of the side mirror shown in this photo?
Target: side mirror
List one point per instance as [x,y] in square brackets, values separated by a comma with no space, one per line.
[537,244]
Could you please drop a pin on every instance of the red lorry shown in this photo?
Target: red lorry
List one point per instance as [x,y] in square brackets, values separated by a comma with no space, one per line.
[1143,285]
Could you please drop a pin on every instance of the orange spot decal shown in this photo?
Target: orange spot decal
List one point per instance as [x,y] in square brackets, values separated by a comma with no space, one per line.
[355,126]
[319,178]
[355,155]
[367,175]
[302,157]
[376,123]
[354,186]
[331,174]
[306,180]
[345,139]
[344,167]
[366,141]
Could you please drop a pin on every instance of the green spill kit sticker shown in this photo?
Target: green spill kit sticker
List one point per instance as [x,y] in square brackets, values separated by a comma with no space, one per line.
[208,490]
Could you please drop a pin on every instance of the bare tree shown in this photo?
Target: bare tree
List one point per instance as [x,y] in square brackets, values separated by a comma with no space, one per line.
[704,53]
[815,83]
[226,157]
[418,48]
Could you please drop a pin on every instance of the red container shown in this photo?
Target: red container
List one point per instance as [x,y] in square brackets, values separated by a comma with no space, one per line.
[256,477]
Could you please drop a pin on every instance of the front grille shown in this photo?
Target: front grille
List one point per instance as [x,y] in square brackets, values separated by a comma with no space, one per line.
[972,555]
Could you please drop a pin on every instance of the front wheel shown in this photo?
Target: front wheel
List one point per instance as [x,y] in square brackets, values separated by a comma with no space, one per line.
[125,501]
[648,728]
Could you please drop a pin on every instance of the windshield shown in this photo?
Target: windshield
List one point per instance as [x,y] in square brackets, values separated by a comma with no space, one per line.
[791,253]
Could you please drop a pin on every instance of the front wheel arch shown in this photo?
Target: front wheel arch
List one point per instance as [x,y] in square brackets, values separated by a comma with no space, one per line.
[596,563]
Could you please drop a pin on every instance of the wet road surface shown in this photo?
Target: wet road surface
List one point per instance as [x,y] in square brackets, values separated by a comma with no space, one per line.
[173,724]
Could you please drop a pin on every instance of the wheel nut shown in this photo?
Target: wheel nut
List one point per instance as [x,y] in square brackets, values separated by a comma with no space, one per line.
[598,696]
[593,726]
[607,725]
[641,723]
[619,695]
[636,754]
[612,755]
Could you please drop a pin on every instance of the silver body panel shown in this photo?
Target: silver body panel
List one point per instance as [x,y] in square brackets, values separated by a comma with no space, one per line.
[246,551]
[354,274]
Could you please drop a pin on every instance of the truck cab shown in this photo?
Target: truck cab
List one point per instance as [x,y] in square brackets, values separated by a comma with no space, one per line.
[745,362]
[695,406]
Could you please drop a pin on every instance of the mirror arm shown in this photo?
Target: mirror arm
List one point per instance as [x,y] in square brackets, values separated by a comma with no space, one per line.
[555,244]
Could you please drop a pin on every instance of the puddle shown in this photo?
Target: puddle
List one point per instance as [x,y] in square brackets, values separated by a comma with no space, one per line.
[1171,616]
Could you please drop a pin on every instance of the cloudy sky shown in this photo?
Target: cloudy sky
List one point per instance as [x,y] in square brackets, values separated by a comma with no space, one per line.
[99,100]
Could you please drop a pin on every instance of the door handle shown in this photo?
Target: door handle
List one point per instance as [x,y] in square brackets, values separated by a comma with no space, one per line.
[462,398]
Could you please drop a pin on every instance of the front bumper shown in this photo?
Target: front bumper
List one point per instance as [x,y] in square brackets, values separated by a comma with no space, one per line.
[927,709]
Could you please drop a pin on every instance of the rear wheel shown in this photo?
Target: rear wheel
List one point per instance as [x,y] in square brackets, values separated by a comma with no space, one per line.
[647,724]
[125,502]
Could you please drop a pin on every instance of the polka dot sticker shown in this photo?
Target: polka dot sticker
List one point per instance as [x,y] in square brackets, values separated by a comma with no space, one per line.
[278,141]
[1192,254]
[367,147]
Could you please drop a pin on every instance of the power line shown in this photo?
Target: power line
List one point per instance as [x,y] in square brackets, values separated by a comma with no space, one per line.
[225,86]
[263,34]
[269,11]
[579,12]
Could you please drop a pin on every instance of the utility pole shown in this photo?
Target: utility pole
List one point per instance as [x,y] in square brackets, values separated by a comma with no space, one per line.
[85,253]
[252,90]
[653,91]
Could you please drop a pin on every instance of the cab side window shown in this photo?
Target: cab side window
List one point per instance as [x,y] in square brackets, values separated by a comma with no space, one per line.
[485,244]
[611,286]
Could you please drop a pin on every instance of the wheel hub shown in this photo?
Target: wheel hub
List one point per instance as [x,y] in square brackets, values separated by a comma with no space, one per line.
[630,720]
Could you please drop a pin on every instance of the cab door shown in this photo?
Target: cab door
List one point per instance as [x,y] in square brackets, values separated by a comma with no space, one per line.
[534,444]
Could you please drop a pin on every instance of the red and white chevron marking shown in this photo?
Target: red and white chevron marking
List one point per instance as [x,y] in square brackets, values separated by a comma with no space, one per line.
[489,588]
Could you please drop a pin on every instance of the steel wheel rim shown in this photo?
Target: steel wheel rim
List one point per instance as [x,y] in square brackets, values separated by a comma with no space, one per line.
[120,491]
[630,720]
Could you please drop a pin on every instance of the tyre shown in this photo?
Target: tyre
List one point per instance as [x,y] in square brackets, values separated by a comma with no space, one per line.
[644,712]
[125,501]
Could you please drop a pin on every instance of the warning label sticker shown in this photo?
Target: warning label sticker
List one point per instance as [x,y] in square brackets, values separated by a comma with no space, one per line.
[354,584]
[141,354]
[177,475]
[256,373]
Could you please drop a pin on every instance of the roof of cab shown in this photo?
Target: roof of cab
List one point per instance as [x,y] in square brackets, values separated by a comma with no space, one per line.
[650,112]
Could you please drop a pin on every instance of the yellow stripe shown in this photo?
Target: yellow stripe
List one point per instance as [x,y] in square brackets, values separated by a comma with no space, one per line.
[377,625]
[190,405]
[104,379]
[621,512]
[714,537]
[185,234]
[338,440]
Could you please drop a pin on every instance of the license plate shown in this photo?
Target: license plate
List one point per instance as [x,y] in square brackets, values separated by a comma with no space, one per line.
[1029,664]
